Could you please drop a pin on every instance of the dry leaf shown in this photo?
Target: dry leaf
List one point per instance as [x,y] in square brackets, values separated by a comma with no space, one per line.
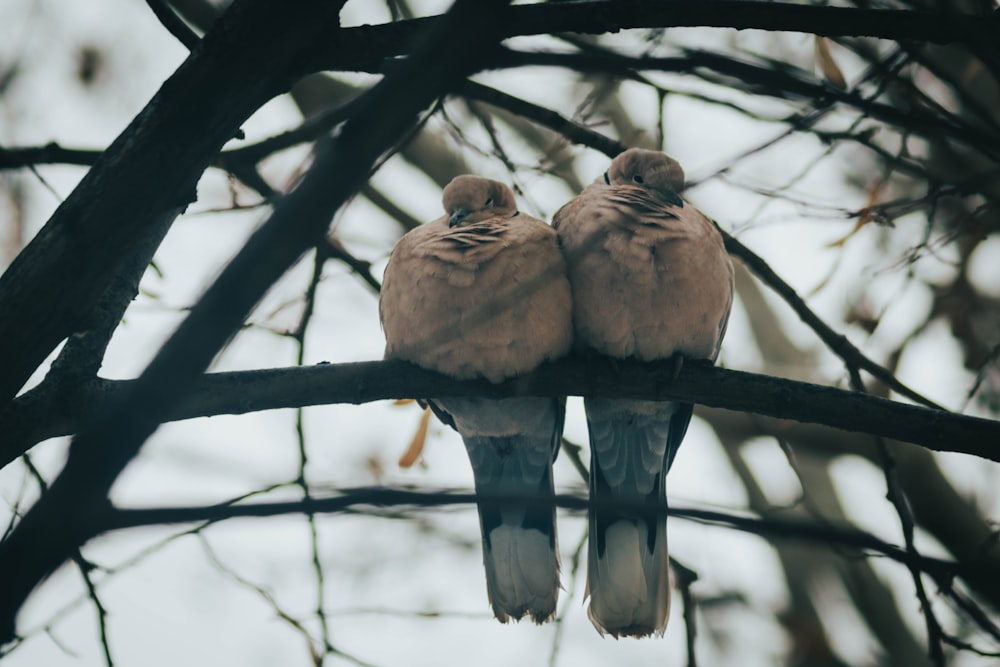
[828,65]
[416,447]
[866,215]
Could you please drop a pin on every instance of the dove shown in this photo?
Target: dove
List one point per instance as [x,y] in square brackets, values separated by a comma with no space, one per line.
[482,293]
[651,280]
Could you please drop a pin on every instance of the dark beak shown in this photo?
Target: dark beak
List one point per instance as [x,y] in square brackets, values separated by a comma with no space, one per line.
[457,217]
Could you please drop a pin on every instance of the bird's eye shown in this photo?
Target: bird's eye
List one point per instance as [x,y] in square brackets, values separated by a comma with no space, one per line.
[489,202]
[638,179]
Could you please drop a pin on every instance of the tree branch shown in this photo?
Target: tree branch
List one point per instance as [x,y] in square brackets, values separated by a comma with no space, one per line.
[368,43]
[76,506]
[35,416]
[148,175]
[785,83]
[174,24]
[352,499]
[940,508]
[571,130]
[50,153]
[838,343]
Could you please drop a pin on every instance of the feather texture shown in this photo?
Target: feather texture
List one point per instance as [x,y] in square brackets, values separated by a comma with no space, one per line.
[482,292]
[650,279]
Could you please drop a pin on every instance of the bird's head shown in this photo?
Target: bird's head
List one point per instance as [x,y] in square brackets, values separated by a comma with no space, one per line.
[469,199]
[652,170]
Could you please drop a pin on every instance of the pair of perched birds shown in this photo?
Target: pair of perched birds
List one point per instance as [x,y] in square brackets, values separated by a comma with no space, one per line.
[626,270]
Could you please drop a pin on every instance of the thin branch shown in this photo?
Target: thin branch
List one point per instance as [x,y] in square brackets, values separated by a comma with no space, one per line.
[973,611]
[319,260]
[129,564]
[547,118]
[838,343]
[685,577]
[85,567]
[572,452]
[362,268]
[897,497]
[390,208]
[174,24]
[766,80]
[352,499]
[567,600]
[278,610]
[50,153]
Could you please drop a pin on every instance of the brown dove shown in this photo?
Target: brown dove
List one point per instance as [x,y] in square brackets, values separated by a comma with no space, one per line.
[651,280]
[482,292]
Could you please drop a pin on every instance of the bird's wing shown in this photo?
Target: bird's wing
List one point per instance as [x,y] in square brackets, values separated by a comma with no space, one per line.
[487,302]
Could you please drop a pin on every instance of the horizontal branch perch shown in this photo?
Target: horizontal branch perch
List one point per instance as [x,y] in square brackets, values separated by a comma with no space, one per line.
[39,415]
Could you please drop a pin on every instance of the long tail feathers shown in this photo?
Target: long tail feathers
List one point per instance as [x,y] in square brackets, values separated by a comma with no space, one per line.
[628,580]
[520,549]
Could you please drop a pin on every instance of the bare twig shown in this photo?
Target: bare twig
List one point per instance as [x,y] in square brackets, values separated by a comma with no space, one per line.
[85,568]
[351,499]
[319,260]
[838,343]
[552,120]
[685,577]
[174,24]
[279,611]
[896,496]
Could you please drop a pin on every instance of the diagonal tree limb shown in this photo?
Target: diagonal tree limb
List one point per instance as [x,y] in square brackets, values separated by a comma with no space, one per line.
[853,357]
[148,175]
[571,130]
[77,505]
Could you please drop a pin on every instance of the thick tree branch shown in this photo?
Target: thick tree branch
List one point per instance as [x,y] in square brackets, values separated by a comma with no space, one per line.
[368,43]
[76,506]
[148,174]
[36,416]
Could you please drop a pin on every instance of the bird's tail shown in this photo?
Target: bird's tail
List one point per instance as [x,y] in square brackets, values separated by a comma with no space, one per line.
[628,578]
[520,549]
